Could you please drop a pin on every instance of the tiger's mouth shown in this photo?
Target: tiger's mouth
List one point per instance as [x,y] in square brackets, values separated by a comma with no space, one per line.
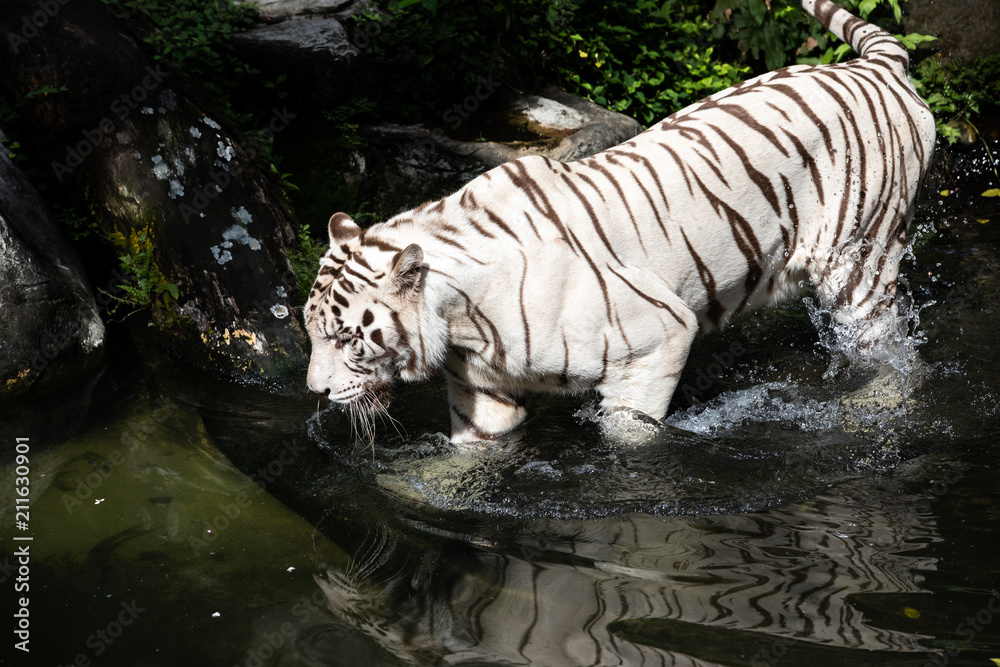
[367,406]
[380,393]
[374,394]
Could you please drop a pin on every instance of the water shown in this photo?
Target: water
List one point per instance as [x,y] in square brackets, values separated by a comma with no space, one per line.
[796,507]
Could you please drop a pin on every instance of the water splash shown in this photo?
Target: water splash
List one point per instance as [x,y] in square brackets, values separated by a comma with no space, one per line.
[622,426]
[775,403]
[851,344]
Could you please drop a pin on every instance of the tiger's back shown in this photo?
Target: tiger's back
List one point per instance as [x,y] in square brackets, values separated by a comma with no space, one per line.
[598,274]
[792,176]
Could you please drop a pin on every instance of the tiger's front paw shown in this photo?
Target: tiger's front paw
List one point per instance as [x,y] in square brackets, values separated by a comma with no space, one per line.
[481,415]
[465,430]
[624,427]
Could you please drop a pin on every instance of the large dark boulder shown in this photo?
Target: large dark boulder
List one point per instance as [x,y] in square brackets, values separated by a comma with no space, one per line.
[178,192]
[966,29]
[50,328]
[315,53]
[271,9]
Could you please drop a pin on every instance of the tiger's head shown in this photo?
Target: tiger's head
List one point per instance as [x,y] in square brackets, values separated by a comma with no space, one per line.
[355,317]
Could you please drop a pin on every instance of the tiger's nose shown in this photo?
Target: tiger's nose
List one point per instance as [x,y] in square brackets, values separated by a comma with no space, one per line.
[325,391]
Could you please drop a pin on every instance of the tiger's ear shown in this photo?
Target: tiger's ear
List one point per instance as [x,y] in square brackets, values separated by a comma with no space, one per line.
[406,269]
[342,229]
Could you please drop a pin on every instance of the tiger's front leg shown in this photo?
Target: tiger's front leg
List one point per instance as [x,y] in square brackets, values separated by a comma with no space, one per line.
[478,414]
[647,384]
[659,342]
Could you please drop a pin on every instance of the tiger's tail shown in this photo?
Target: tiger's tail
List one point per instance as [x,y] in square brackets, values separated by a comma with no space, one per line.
[865,38]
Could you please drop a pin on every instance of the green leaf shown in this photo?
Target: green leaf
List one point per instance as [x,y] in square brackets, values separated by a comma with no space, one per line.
[45,90]
[171,289]
[948,133]
[913,39]
[896,11]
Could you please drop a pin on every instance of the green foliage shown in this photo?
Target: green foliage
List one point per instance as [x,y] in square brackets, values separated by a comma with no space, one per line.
[346,123]
[190,35]
[284,181]
[645,58]
[326,189]
[774,29]
[650,62]
[864,8]
[146,283]
[45,91]
[10,121]
[79,222]
[305,261]
[11,147]
[193,37]
[914,40]
[839,51]
[9,117]
[765,28]
[429,47]
[326,152]
[957,91]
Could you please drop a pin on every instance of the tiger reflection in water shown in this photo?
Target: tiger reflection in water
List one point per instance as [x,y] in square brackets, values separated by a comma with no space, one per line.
[767,582]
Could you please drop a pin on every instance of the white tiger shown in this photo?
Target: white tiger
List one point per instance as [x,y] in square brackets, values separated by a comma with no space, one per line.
[598,274]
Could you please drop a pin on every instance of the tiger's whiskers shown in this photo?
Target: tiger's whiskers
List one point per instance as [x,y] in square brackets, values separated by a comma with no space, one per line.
[382,410]
[363,412]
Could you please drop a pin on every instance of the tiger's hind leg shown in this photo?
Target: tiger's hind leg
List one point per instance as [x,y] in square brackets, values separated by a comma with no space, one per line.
[479,414]
[862,297]
[858,285]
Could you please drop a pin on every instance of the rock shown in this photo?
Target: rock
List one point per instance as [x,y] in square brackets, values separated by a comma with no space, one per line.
[50,330]
[287,8]
[414,163]
[567,128]
[542,112]
[323,37]
[314,52]
[181,194]
[959,35]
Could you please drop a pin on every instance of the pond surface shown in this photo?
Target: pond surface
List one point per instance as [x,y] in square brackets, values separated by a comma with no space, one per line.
[795,509]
